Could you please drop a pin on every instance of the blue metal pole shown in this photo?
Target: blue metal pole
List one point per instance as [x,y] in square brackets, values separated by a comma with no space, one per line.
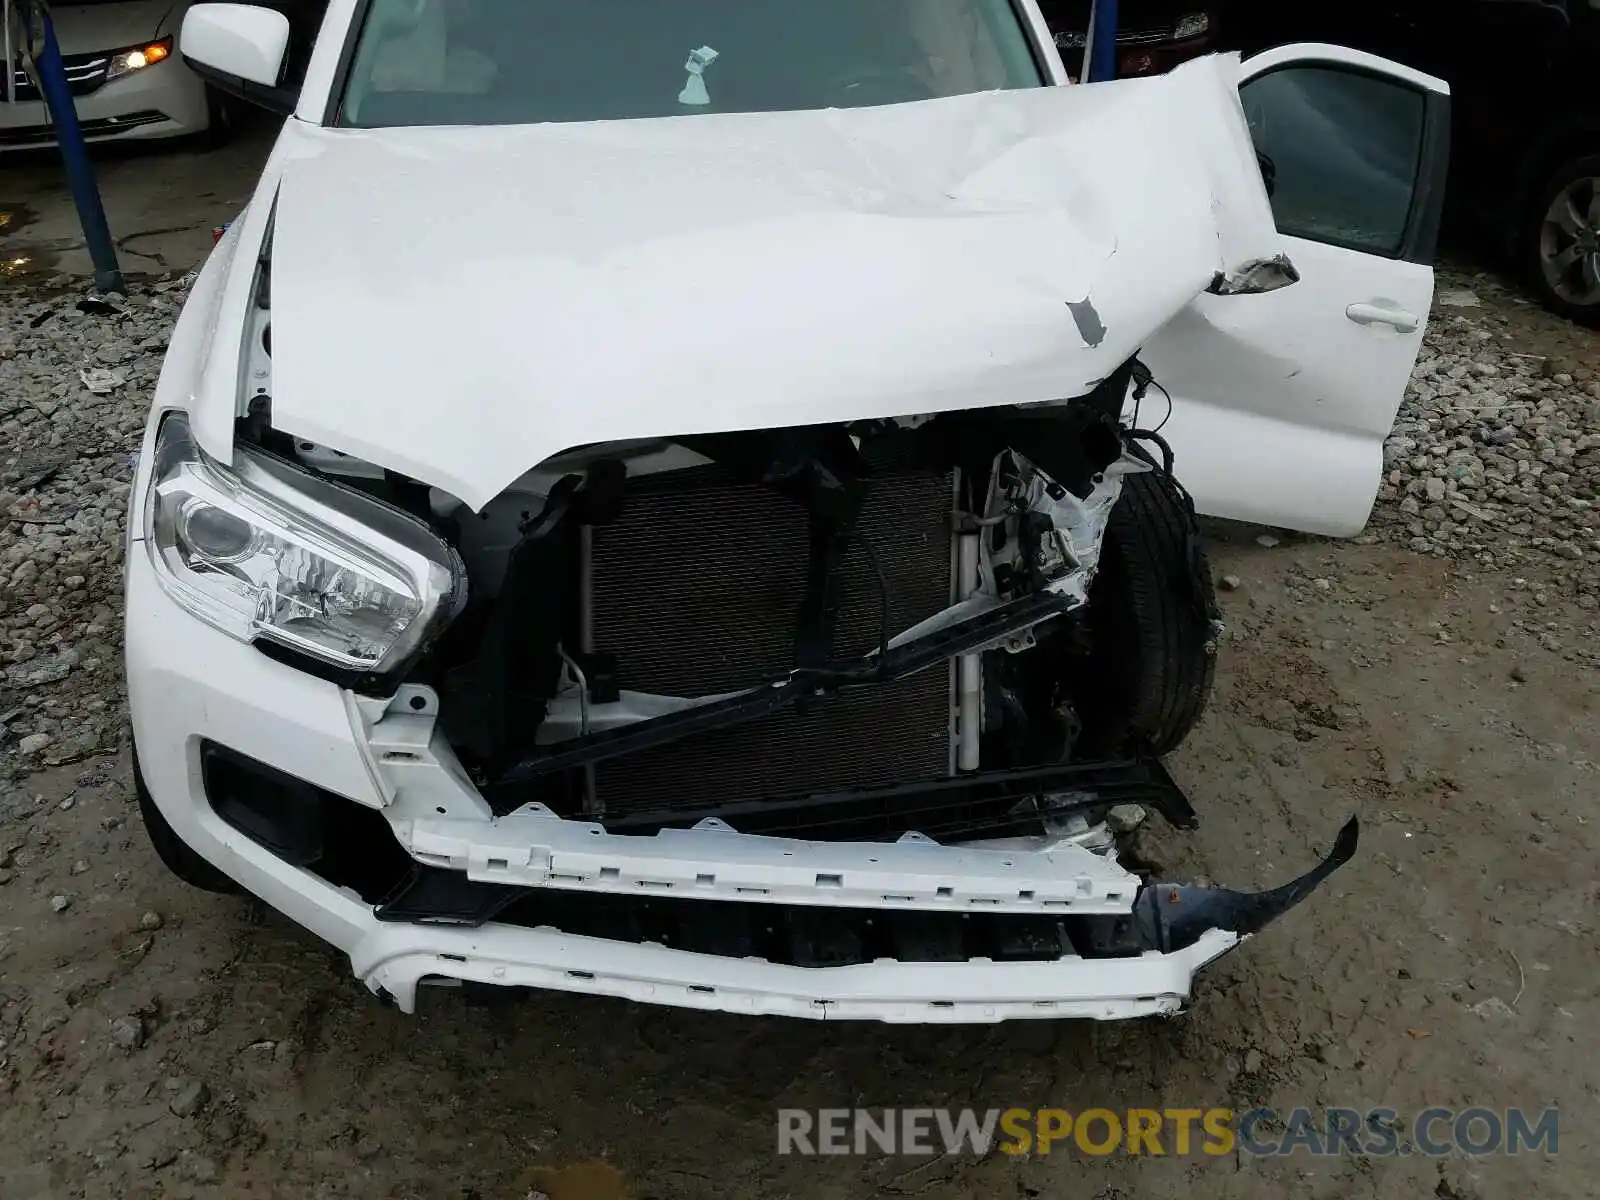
[75,154]
[1103,41]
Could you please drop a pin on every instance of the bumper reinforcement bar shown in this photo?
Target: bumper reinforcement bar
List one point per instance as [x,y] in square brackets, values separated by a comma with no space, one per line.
[1164,918]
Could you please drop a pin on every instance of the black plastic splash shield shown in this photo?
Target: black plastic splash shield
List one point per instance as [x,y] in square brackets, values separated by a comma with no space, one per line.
[1170,917]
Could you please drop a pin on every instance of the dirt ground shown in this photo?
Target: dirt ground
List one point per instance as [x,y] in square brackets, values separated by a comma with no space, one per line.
[1405,692]
[1452,963]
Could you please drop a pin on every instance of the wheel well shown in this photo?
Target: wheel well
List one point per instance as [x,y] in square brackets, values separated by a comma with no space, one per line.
[1556,148]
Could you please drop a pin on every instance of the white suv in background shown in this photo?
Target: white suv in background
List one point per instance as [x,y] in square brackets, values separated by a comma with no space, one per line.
[127,77]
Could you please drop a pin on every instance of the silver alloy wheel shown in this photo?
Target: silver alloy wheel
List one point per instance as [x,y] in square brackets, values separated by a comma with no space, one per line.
[1569,243]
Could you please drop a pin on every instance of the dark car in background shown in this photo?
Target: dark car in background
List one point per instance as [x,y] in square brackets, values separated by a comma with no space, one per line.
[1152,35]
[1525,80]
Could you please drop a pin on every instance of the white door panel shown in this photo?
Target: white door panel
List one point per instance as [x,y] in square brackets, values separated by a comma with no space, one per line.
[1282,400]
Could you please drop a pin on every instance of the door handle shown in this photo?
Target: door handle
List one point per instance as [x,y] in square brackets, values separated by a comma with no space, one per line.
[1376,314]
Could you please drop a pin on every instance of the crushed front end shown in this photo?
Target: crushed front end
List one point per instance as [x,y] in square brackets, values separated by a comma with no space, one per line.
[785,721]
[586,612]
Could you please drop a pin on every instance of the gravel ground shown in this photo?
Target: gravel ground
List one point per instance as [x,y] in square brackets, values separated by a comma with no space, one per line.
[75,388]
[1496,455]
[1436,675]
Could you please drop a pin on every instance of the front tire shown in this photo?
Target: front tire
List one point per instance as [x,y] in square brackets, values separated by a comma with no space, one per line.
[1152,637]
[221,123]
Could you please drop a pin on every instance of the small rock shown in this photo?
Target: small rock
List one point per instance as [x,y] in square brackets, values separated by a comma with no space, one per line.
[203,1170]
[1231,583]
[1267,540]
[368,1148]
[81,867]
[6,875]
[150,922]
[1252,1061]
[1492,1007]
[33,743]
[163,1156]
[128,1032]
[60,904]
[1518,675]
[1125,818]
[191,1097]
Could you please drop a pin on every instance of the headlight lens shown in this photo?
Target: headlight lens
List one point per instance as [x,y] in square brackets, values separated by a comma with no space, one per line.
[137,58]
[265,550]
[1191,25]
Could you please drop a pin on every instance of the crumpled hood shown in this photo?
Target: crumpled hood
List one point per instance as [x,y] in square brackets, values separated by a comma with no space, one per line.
[460,304]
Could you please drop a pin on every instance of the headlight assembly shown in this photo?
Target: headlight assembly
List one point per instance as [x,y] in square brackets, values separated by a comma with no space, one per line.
[137,58]
[265,551]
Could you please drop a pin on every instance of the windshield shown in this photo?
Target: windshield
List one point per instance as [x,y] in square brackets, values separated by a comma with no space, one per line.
[497,62]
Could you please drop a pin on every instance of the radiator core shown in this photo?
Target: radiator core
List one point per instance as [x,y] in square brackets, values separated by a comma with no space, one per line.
[696,589]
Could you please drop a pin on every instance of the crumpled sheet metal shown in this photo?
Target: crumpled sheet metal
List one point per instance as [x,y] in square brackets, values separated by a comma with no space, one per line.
[459,304]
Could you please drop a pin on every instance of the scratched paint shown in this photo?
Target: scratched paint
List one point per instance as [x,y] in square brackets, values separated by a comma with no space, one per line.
[1087,318]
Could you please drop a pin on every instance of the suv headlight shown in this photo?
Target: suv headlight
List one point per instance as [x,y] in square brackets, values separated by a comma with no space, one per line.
[264,550]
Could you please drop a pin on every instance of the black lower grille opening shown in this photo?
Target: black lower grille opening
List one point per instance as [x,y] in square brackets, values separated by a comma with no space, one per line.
[92,127]
[796,935]
[345,843]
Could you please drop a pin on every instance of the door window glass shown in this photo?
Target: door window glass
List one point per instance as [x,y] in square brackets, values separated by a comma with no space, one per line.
[1341,152]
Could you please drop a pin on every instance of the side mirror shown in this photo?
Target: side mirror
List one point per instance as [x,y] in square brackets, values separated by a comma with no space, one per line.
[239,48]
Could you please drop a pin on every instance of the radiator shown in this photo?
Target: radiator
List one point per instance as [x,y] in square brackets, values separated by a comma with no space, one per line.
[695,592]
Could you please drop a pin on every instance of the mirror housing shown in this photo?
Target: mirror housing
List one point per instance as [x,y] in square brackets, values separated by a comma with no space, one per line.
[239,49]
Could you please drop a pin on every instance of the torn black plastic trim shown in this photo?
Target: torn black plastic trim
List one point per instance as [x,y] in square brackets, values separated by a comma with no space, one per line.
[1254,278]
[967,807]
[1171,917]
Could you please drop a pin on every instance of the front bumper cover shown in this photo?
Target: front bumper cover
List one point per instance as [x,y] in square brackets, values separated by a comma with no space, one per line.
[189,684]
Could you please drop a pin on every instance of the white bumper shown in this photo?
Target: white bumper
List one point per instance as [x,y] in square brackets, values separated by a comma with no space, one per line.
[397,958]
[188,683]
